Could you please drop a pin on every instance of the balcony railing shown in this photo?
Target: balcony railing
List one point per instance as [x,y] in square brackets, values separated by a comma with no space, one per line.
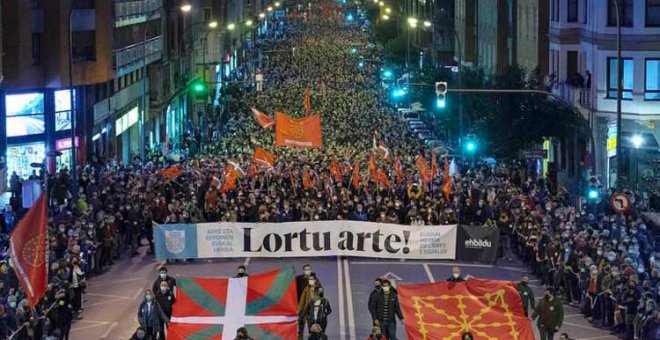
[130,57]
[581,97]
[131,12]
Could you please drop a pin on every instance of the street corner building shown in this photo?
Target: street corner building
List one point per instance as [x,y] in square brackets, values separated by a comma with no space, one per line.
[265,304]
[487,309]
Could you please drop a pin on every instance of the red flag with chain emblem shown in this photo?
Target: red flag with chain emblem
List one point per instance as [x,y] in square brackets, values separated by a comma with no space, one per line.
[488,309]
[335,170]
[28,249]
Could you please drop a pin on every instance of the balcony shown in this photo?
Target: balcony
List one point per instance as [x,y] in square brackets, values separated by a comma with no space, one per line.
[130,58]
[580,97]
[132,12]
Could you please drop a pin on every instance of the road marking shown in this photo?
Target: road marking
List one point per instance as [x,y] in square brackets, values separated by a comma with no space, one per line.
[92,324]
[113,282]
[572,315]
[428,272]
[340,298]
[161,264]
[104,302]
[599,337]
[140,291]
[591,328]
[107,295]
[349,301]
[468,265]
[107,332]
[247,262]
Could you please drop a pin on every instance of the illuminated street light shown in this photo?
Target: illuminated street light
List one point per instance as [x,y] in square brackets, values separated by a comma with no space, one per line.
[386,17]
[412,22]
[262,15]
[270,8]
[388,10]
[231,27]
[427,24]
[381,4]
[248,23]
[637,141]
[213,24]
[186,8]
[277,4]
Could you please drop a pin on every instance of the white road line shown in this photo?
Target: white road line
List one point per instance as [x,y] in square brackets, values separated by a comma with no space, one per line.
[107,332]
[349,301]
[572,315]
[340,299]
[468,265]
[139,292]
[113,282]
[428,272]
[108,296]
[247,262]
[591,328]
[599,337]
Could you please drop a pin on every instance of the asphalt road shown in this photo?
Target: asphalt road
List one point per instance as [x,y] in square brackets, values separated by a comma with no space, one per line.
[112,298]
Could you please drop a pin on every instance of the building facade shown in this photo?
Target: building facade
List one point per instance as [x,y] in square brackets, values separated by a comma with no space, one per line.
[532,35]
[583,61]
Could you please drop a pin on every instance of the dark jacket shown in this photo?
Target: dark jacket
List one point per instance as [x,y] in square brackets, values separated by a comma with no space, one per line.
[171,282]
[165,301]
[550,313]
[317,336]
[372,300]
[454,279]
[382,300]
[322,315]
[527,296]
[301,283]
[157,316]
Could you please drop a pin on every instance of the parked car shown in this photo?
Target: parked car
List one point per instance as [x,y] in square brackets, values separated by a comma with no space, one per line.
[408,116]
[416,123]
[425,135]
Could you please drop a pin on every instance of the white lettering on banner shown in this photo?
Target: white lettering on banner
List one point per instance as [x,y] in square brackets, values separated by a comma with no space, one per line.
[477,243]
[327,238]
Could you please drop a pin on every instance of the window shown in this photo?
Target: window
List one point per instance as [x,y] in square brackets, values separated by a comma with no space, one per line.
[36,48]
[652,81]
[63,110]
[84,46]
[652,12]
[626,13]
[555,10]
[572,10]
[612,78]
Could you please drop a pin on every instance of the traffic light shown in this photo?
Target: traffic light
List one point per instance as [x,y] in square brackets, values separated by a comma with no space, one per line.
[387,74]
[361,62]
[441,94]
[593,192]
[354,49]
[470,144]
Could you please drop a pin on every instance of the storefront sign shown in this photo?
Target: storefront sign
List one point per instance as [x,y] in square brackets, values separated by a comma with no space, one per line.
[305,239]
[65,143]
[477,244]
[611,143]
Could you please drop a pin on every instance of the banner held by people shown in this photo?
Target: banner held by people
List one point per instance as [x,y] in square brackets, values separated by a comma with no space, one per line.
[477,243]
[303,132]
[304,239]
[487,309]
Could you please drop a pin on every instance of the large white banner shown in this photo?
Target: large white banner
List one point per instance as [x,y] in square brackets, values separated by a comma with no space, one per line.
[304,239]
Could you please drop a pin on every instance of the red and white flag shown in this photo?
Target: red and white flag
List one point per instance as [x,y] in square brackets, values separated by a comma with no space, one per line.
[28,249]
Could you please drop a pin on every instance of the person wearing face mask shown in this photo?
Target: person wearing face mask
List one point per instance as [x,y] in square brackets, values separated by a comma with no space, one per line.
[455,275]
[302,279]
[309,292]
[526,294]
[140,334]
[163,277]
[650,324]
[241,272]
[318,309]
[386,310]
[630,301]
[165,300]
[550,314]
[589,309]
[374,293]
[60,317]
[151,316]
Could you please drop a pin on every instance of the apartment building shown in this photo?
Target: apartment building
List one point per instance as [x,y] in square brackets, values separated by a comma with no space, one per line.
[582,58]
[532,35]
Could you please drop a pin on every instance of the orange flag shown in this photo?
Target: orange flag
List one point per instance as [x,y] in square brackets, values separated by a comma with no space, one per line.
[336,171]
[230,179]
[264,120]
[298,133]
[435,171]
[446,187]
[307,181]
[253,170]
[263,157]
[398,171]
[172,172]
[380,176]
[356,175]
[384,151]
[308,101]
[372,163]
[423,169]
[28,249]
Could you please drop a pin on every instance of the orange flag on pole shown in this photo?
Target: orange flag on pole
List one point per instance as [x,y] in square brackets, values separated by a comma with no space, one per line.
[372,164]
[172,172]
[380,176]
[423,169]
[263,157]
[308,101]
[335,170]
[446,186]
[298,133]
[435,171]
[28,249]
[307,181]
[356,174]
[230,179]
[398,171]
[264,120]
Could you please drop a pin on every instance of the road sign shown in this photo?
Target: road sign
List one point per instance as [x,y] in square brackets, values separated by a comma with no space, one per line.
[393,278]
[620,202]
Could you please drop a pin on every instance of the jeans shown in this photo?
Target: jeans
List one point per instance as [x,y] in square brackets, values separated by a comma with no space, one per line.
[546,332]
[388,329]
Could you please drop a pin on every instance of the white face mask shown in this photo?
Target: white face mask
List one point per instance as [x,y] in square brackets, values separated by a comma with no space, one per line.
[456,275]
[163,290]
[12,304]
[386,289]
[307,272]
[163,276]
[312,282]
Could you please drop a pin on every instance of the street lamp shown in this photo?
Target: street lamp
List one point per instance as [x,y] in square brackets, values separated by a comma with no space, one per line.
[248,23]
[637,141]
[388,10]
[262,15]
[381,4]
[412,22]
[386,17]
[231,27]
[619,93]
[213,24]
[427,23]
[270,8]
[186,8]
[277,4]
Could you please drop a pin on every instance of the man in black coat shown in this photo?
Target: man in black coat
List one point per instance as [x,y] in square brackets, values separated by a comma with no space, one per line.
[163,277]
[373,295]
[301,280]
[165,299]
[386,308]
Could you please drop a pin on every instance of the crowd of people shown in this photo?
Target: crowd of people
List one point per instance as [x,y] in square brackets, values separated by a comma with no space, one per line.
[603,262]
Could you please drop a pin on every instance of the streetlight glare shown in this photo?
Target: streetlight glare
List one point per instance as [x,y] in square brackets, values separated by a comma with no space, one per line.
[386,17]
[427,24]
[213,24]
[277,4]
[388,10]
[231,27]
[186,8]
[248,23]
[262,15]
[412,22]
[381,4]
[270,8]
[637,141]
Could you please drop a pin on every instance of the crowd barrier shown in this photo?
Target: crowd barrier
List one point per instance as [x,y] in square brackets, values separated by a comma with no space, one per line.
[325,238]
